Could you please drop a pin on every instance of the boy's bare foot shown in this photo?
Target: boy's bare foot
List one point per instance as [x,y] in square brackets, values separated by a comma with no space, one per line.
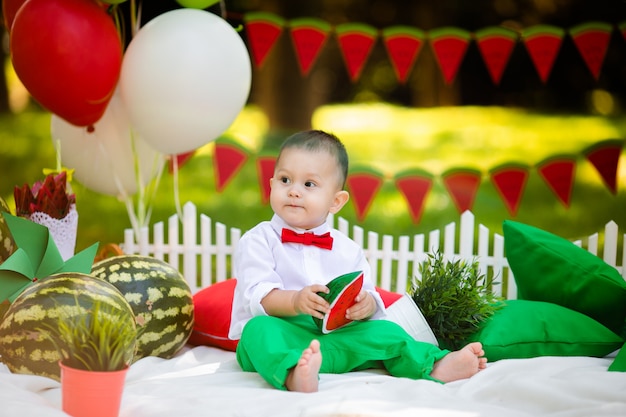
[304,376]
[460,364]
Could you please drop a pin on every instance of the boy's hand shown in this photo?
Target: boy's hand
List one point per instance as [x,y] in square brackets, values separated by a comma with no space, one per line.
[364,307]
[306,301]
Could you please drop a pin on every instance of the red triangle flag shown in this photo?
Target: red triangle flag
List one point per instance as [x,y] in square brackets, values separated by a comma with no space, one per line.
[605,157]
[403,45]
[414,186]
[462,185]
[181,159]
[510,180]
[356,41]
[559,172]
[495,45]
[308,36]
[449,45]
[265,167]
[228,158]
[263,30]
[543,43]
[363,186]
[592,41]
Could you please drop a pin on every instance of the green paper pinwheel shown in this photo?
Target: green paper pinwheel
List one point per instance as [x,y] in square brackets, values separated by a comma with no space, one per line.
[37,256]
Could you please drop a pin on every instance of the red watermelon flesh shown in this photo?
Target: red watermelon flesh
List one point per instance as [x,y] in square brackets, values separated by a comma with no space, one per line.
[343,290]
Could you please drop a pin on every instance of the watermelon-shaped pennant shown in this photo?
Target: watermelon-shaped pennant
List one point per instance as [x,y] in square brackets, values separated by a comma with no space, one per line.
[449,45]
[592,41]
[356,41]
[543,43]
[363,184]
[342,292]
[308,36]
[558,172]
[265,167]
[622,29]
[462,184]
[263,30]
[605,157]
[495,45]
[510,180]
[403,44]
[228,158]
[414,186]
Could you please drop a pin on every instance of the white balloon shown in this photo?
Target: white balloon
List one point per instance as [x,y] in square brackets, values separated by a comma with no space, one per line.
[185,77]
[103,160]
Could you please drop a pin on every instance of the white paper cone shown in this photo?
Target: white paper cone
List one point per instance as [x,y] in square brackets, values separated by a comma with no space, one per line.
[63,230]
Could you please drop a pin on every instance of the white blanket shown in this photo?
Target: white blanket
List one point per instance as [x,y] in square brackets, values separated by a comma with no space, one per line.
[203,381]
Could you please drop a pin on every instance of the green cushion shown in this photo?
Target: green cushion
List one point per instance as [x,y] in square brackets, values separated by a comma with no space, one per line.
[619,363]
[550,268]
[527,329]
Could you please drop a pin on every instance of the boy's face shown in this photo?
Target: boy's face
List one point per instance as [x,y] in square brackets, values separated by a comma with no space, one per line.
[306,187]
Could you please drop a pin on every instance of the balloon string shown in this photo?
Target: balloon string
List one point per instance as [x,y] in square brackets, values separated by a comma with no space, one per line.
[176,190]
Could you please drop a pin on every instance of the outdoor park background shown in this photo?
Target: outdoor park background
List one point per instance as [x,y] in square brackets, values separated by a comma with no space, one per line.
[386,125]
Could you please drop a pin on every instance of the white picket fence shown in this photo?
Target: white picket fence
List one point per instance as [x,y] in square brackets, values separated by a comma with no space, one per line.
[208,260]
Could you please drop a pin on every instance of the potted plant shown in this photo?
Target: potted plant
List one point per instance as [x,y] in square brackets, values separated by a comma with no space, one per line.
[96,345]
[51,203]
[454,298]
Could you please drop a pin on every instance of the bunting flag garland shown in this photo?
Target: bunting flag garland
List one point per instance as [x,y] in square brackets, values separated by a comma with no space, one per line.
[263,30]
[181,159]
[604,156]
[356,41]
[622,28]
[462,185]
[543,43]
[363,184]
[265,168]
[510,180]
[308,36]
[403,45]
[414,185]
[496,45]
[228,158]
[592,41]
[449,45]
[559,172]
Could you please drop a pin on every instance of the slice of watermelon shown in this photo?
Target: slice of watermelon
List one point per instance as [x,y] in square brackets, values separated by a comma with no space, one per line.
[343,290]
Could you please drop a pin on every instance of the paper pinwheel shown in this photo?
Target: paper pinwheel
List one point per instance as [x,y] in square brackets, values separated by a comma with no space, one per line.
[37,256]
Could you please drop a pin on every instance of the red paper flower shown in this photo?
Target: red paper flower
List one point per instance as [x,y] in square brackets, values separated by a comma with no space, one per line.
[50,196]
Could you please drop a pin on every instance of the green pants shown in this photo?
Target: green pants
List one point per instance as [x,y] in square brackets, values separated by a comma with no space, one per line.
[272,346]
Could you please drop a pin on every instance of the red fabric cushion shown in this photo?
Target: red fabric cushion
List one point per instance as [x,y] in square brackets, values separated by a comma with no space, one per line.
[388,297]
[212,307]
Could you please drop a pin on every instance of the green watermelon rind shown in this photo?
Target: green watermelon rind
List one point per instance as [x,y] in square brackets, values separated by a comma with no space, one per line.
[24,348]
[337,287]
[160,298]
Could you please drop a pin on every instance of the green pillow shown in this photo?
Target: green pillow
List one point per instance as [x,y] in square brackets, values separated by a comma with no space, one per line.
[619,363]
[550,268]
[527,329]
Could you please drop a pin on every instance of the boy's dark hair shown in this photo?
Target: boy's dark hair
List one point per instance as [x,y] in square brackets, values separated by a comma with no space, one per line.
[318,140]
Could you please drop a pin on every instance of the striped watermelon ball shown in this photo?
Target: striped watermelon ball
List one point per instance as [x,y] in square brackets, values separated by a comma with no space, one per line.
[24,348]
[160,298]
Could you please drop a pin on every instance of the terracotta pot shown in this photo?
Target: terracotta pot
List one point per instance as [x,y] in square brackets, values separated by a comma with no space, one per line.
[91,393]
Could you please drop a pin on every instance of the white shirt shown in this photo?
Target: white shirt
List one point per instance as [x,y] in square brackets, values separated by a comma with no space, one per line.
[261,263]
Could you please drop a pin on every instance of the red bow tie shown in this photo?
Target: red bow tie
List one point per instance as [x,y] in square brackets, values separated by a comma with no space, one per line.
[324,241]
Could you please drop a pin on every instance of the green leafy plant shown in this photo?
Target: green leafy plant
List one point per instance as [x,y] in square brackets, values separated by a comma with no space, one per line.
[101,338]
[454,297]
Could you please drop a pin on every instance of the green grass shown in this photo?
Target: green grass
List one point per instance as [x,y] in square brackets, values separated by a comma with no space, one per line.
[384,137]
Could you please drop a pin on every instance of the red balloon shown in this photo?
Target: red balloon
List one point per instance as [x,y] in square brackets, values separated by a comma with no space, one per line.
[68,55]
[9,10]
